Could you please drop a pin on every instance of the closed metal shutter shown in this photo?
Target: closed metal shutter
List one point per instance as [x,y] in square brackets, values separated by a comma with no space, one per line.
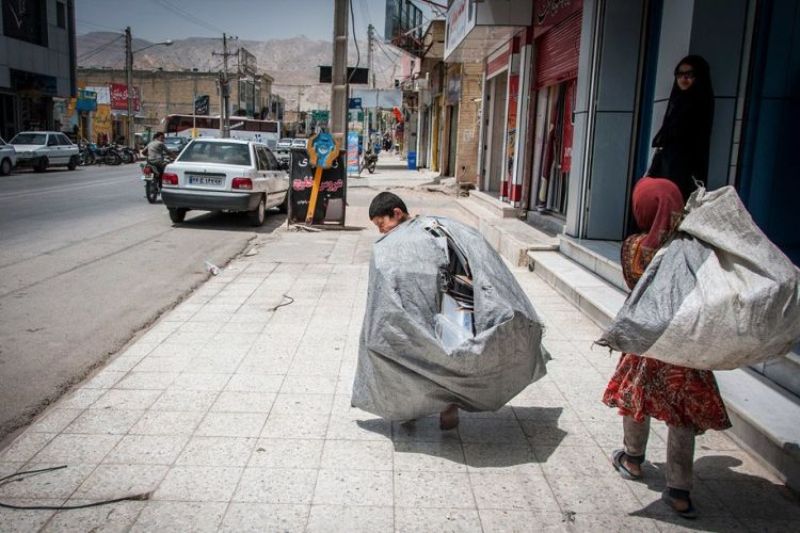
[557,52]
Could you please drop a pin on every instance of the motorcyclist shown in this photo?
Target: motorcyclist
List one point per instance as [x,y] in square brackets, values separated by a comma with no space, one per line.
[157,155]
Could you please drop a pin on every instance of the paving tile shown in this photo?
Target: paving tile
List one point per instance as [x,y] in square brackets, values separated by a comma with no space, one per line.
[198,483]
[295,426]
[215,364]
[24,447]
[116,518]
[346,519]
[81,398]
[593,494]
[756,498]
[147,450]
[287,453]
[506,491]
[244,402]
[413,519]
[127,399]
[433,489]
[77,449]
[200,381]
[104,421]
[499,457]
[104,379]
[442,456]
[357,455]
[60,483]
[560,432]
[185,400]
[260,517]
[563,460]
[54,420]
[354,487]
[197,517]
[24,521]
[310,384]
[276,485]
[147,380]
[110,481]
[217,451]
[231,425]
[489,430]
[163,364]
[255,382]
[302,404]
[522,521]
[167,423]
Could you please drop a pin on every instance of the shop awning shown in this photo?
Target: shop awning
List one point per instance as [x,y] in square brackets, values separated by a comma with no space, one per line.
[475,29]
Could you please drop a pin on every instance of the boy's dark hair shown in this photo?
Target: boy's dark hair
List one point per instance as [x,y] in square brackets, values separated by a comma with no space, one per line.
[158,134]
[384,203]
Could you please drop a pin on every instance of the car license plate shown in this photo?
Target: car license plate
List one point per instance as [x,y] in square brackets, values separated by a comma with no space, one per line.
[208,181]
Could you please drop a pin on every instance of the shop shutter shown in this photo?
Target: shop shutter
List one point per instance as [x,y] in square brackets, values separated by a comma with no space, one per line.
[557,52]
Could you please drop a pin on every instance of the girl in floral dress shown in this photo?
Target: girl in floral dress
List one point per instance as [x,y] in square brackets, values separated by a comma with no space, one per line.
[641,388]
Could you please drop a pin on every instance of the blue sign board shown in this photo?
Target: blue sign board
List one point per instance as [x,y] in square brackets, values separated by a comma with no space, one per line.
[352,152]
[87,100]
[354,103]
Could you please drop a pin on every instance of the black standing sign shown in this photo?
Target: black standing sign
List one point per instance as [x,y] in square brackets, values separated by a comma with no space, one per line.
[332,191]
[201,105]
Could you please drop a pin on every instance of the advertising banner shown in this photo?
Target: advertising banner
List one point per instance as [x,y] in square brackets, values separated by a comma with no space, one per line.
[119,97]
[201,105]
[352,153]
[332,191]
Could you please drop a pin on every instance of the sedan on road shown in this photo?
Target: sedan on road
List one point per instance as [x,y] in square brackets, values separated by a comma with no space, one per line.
[42,149]
[225,175]
[8,158]
[175,145]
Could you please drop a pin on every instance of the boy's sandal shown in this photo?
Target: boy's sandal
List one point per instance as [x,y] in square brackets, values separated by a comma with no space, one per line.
[670,496]
[617,459]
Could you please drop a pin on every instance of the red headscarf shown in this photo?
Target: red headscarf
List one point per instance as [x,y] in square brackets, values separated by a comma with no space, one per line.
[656,201]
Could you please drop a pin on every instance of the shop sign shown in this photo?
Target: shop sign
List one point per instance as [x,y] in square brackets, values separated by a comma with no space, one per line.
[102,92]
[548,13]
[119,97]
[352,152]
[29,83]
[87,100]
[201,104]
[460,20]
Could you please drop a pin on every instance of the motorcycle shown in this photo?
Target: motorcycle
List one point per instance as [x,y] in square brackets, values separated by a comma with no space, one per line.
[108,155]
[86,154]
[152,181]
[370,160]
[127,154]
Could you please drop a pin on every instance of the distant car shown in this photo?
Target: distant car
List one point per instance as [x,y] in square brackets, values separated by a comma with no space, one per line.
[298,143]
[175,144]
[8,158]
[282,150]
[225,175]
[42,149]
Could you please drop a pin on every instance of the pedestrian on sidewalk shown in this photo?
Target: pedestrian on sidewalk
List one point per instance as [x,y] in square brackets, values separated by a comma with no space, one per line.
[431,343]
[642,388]
[682,143]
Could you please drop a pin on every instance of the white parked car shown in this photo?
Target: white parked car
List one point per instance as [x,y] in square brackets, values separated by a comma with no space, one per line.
[8,158]
[42,149]
[225,175]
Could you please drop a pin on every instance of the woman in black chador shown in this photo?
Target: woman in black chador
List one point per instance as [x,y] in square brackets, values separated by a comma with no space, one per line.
[682,143]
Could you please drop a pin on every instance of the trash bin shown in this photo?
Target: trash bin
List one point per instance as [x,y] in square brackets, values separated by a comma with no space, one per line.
[412,160]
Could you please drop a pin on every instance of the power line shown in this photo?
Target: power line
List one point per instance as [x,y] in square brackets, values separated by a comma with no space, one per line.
[86,55]
[197,21]
[94,24]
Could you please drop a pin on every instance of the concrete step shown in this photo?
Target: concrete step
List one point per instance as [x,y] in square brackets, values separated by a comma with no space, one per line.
[512,238]
[766,417]
[599,257]
[595,297]
[494,205]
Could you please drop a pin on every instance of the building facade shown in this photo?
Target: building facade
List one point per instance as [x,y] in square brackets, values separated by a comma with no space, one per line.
[37,64]
[158,93]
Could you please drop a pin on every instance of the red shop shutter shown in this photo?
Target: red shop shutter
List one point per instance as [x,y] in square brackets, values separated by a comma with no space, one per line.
[557,52]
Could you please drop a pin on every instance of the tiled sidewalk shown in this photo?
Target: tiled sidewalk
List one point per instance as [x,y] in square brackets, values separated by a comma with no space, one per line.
[237,417]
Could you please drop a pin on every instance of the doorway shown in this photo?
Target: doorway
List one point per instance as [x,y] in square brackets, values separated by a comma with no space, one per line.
[498,89]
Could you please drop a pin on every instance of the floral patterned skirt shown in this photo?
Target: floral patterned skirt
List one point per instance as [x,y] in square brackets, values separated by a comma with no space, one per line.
[679,396]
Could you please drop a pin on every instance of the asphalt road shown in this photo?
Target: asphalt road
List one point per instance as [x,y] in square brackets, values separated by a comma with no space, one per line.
[85,263]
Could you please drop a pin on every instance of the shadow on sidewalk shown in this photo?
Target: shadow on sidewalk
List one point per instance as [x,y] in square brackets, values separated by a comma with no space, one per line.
[218,220]
[720,492]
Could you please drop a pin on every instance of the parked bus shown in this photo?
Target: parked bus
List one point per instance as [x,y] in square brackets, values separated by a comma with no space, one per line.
[249,129]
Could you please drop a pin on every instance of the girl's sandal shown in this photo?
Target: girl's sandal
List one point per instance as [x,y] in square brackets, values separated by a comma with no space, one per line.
[672,496]
[617,459]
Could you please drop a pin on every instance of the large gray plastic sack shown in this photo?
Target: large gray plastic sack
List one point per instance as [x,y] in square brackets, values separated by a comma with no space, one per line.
[719,296]
[405,371]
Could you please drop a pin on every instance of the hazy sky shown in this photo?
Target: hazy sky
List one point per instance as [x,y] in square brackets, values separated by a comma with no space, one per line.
[157,20]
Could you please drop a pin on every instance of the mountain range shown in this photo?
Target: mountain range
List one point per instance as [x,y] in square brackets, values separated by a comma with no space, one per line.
[293,63]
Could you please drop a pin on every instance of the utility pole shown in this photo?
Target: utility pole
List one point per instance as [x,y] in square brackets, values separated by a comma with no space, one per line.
[370,48]
[129,83]
[224,90]
[339,94]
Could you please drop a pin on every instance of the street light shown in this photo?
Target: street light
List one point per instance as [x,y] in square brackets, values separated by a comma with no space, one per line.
[129,51]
